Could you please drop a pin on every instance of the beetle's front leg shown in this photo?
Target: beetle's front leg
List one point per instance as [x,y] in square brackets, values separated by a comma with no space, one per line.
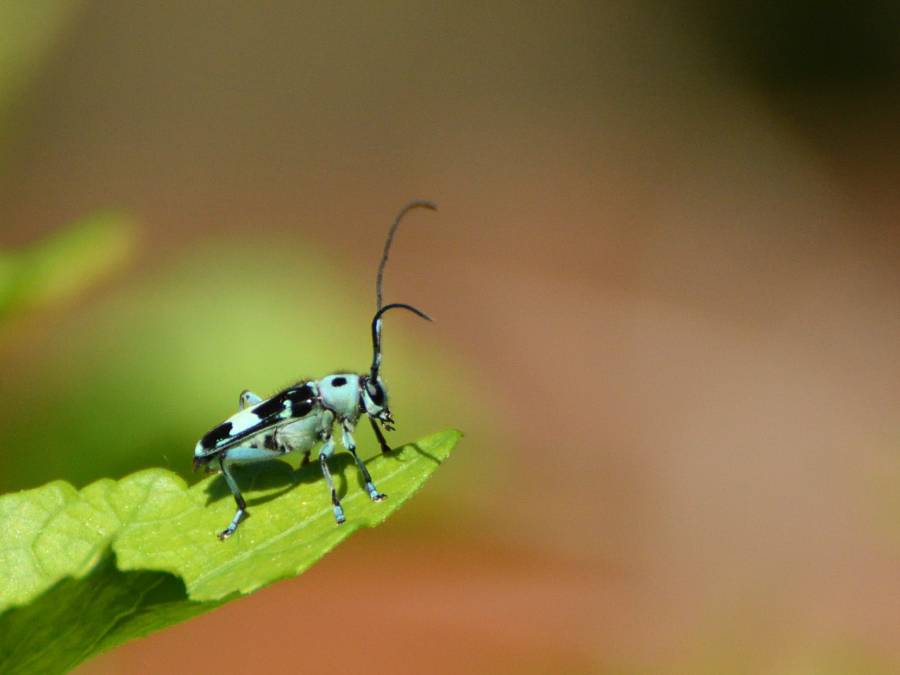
[380,436]
[350,444]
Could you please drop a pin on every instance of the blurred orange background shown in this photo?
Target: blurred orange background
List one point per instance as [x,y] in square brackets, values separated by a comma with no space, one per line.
[665,272]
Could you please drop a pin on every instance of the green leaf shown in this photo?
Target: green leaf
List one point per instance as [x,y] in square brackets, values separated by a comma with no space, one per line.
[65,262]
[83,571]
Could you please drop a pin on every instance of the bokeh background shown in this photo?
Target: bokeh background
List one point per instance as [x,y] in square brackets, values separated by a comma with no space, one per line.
[666,273]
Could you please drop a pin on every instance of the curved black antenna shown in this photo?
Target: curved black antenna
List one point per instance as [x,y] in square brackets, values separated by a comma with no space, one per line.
[387,245]
[376,332]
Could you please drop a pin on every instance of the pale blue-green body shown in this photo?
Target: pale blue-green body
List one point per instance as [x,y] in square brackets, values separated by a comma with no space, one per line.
[295,420]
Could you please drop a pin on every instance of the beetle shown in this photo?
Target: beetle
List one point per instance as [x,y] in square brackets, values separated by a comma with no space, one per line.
[304,414]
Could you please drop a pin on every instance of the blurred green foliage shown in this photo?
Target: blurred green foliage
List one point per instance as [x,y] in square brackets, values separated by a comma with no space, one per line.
[65,263]
[136,378]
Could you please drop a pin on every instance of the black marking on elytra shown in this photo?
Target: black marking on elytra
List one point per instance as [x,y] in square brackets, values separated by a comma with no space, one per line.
[296,402]
[270,408]
[216,436]
[338,381]
[302,400]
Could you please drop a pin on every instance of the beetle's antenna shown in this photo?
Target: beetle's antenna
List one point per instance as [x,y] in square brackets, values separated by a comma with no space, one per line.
[376,333]
[387,246]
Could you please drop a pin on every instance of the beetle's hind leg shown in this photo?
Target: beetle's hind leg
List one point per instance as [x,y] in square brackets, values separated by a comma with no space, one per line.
[238,498]
[350,444]
[241,454]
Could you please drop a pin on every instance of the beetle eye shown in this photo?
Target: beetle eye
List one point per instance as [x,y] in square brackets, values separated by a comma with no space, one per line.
[376,393]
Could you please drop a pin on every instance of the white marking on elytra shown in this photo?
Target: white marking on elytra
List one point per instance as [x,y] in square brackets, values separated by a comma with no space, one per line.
[242,421]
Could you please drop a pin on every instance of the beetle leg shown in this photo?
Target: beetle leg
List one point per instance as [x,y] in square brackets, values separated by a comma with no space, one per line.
[380,436]
[238,498]
[326,452]
[350,444]
[249,453]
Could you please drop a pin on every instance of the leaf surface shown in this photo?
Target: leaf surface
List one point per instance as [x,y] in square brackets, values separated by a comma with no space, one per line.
[82,571]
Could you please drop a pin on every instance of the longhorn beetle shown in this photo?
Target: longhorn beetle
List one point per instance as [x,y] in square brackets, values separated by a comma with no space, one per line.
[304,414]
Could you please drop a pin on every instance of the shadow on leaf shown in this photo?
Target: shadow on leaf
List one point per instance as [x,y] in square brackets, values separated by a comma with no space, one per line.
[274,478]
[77,619]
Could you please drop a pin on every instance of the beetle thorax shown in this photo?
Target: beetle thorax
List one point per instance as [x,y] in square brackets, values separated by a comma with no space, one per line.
[340,393]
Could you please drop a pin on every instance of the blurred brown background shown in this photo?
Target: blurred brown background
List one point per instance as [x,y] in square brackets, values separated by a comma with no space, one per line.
[665,272]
